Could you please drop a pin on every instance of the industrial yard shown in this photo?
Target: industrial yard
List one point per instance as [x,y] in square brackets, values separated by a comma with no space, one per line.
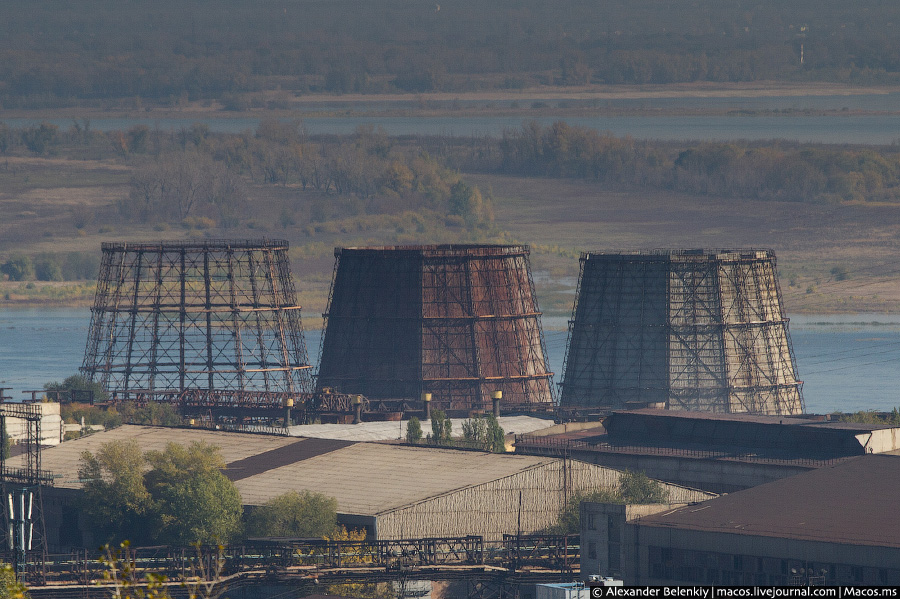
[679,367]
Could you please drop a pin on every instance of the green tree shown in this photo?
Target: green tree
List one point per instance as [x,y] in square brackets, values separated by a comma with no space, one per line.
[39,139]
[77,382]
[18,268]
[47,267]
[183,499]
[294,514]
[115,499]
[633,487]
[193,502]
[485,433]
[413,430]
[441,426]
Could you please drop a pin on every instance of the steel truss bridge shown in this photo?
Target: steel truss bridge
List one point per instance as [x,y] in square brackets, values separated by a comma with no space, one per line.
[493,570]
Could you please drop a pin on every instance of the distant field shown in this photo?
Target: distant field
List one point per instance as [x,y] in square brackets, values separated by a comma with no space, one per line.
[837,257]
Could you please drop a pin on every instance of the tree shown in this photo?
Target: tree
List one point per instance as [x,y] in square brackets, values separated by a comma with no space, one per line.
[10,587]
[294,514]
[183,499]
[633,487]
[77,382]
[485,433]
[193,502]
[413,430]
[39,139]
[47,268]
[115,499]
[18,268]
[441,426]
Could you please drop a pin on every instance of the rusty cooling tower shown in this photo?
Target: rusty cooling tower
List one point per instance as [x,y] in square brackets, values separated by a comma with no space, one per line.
[693,329]
[214,315]
[459,322]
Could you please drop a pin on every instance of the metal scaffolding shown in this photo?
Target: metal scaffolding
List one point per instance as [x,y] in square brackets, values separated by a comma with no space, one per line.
[213,315]
[693,329]
[459,322]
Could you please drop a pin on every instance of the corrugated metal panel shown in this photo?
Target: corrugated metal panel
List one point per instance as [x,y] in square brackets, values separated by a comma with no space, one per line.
[532,498]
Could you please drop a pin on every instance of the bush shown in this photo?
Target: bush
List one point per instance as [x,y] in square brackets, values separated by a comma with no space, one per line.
[294,514]
[413,430]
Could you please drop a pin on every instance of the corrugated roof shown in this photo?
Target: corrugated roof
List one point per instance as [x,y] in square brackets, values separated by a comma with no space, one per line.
[365,478]
[282,456]
[371,478]
[856,502]
[63,460]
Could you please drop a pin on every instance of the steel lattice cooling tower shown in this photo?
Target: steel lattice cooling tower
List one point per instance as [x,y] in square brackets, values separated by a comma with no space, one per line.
[459,322]
[214,315]
[694,329]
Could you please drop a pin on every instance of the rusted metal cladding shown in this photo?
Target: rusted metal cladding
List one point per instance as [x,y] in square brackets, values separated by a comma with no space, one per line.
[459,322]
[215,315]
[693,329]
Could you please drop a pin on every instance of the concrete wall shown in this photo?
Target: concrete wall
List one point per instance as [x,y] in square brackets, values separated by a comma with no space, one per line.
[881,440]
[603,533]
[666,556]
[51,425]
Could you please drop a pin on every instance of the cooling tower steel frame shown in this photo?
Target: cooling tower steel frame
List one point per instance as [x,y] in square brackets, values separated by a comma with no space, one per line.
[197,315]
[697,330]
[457,321]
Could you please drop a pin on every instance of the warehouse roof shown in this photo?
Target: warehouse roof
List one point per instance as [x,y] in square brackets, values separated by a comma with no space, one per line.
[365,478]
[854,502]
[63,460]
[372,478]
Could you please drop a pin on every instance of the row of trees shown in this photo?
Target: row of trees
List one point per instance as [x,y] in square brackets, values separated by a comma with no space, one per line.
[766,171]
[179,496]
[56,55]
[48,266]
[204,175]
[478,432]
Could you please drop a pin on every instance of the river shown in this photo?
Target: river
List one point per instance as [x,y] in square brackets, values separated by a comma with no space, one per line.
[847,362]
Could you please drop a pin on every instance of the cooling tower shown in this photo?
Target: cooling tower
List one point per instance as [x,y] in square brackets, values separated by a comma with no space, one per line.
[693,329]
[214,315]
[459,322]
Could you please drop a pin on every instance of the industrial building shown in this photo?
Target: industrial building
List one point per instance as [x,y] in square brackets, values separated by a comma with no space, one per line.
[210,315]
[700,330]
[715,452]
[458,322]
[393,491]
[838,525]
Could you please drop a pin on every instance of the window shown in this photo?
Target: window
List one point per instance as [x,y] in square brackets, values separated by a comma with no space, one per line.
[592,550]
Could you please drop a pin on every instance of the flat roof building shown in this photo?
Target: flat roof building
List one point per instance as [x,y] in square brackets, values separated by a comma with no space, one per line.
[720,453]
[837,525]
